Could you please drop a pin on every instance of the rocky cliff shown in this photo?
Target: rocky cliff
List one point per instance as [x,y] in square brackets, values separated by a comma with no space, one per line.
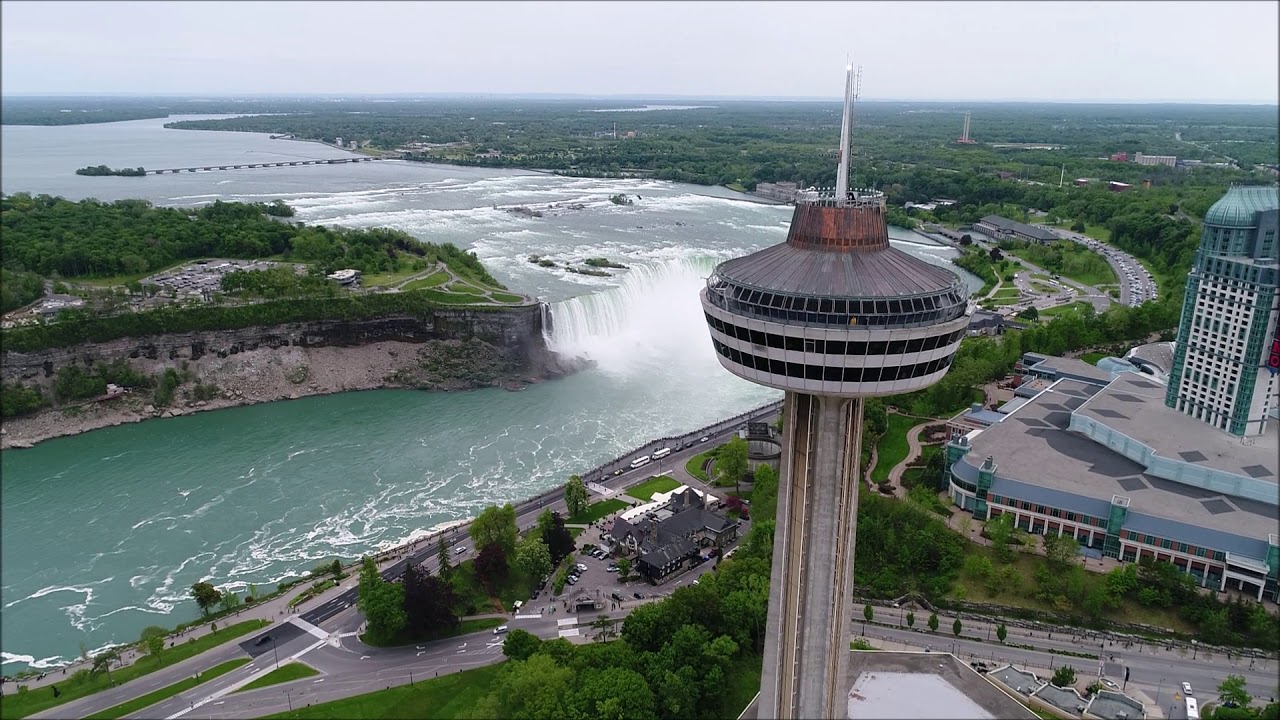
[454,349]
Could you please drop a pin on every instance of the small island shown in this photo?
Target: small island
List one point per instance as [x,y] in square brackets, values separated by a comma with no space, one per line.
[97,170]
[603,263]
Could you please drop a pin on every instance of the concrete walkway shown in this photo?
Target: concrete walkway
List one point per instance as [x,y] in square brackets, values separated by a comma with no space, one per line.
[913,451]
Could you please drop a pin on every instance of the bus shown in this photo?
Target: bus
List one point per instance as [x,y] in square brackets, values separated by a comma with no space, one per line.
[1193,712]
[661,453]
[640,462]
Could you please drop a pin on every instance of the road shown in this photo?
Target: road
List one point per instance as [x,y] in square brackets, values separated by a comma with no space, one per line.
[1100,300]
[1136,284]
[334,612]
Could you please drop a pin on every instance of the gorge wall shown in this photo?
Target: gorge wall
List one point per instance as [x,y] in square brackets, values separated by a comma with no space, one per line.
[452,349]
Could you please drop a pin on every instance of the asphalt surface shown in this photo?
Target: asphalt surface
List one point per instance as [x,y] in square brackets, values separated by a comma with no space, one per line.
[1133,291]
[348,667]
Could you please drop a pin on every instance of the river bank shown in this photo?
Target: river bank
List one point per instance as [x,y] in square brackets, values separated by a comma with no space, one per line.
[273,374]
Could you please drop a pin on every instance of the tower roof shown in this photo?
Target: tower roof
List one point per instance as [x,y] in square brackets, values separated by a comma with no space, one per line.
[1241,203]
[886,272]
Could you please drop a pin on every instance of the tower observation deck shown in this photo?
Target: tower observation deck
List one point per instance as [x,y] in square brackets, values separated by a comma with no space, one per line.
[831,316]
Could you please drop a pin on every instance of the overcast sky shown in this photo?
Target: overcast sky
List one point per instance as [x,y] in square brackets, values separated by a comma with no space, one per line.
[1106,51]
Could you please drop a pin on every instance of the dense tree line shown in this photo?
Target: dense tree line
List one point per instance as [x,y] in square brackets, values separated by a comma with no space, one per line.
[54,236]
[103,170]
[18,289]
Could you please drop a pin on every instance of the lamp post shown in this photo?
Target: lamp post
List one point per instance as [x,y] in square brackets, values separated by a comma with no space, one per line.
[289,698]
[1159,687]
[275,654]
[1194,649]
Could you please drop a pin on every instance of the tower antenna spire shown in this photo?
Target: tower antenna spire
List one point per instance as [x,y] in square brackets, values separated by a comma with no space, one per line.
[842,172]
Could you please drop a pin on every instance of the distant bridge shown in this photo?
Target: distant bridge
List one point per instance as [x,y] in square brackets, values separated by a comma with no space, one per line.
[247,166]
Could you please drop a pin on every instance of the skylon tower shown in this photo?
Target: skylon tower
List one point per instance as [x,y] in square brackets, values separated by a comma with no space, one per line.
[832,316]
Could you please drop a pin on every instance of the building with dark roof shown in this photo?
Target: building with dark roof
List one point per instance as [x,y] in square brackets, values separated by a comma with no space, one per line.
[665,539]
[1002,228]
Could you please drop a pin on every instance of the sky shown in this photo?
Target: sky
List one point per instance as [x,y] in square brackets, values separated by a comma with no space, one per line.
[967,51]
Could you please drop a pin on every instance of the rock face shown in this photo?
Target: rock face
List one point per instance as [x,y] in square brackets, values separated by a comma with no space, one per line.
[455,349]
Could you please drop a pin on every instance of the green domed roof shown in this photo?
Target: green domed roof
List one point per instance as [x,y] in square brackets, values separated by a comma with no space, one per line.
[1240,204]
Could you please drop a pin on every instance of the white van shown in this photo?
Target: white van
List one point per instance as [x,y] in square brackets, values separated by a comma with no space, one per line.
[659,454]
[641,461]
[517,605]
[500,629]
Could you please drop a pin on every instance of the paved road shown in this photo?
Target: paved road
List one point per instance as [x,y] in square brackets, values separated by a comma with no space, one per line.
[1134,290]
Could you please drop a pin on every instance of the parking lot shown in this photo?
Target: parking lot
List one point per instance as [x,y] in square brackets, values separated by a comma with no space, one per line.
[1136,284]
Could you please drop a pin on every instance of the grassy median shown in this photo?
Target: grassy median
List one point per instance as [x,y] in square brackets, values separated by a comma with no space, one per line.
[288,672]
[34,701]
[445,698]
[164,693]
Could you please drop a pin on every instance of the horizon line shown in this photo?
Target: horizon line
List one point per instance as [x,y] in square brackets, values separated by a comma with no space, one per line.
[628,96]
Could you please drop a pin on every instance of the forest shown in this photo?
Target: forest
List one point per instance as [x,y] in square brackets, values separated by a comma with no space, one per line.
[52,236]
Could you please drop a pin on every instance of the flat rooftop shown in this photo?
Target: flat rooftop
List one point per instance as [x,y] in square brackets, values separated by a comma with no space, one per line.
[1073,366]
[926,686]
[1039,460]
[1135,406]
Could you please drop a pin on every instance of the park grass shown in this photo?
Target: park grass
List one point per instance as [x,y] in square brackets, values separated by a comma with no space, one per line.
[29,703]
[506,297]
[596,511]
[1098,232]
[164,693]
[1093,357]
[575,531]
[463,287]
[892,448]
[1078,306]
[736,187]
[448,298]
[645,490]
[697,462]
[474,599]
[439,277]
[285,673]
[452,696]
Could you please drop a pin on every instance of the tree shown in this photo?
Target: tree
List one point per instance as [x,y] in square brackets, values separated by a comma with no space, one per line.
[1031,313]
[496,526]
[557,537]
[624,567]
[1000,530]
[154,646]
[381,602]
[956,627]
[491,567]
[1064,676]
[336,567]
[764,493]
[533,558]
[102,662]
[933,622]
[1001,632]
[868,612]
[206,596]
[429,604]
[1061,550]
[911,619]
[1231,692]
[576,497]
[520,645]
[731,463]
[229,601]
[442,558]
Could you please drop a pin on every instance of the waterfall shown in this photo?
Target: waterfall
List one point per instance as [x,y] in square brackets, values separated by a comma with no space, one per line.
[652,316]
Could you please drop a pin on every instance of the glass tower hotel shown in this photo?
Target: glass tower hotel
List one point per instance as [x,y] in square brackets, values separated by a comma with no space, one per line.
[1185,471]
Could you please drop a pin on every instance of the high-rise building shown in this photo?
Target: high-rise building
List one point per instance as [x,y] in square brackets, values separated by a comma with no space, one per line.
[1228,350]
[831,316]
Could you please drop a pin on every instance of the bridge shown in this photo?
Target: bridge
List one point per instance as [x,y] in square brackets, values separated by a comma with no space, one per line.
[248,166]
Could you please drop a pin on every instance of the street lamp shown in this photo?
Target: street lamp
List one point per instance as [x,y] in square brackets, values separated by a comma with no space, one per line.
[275,654]
[1194,649]
[289,698]
[1158,688]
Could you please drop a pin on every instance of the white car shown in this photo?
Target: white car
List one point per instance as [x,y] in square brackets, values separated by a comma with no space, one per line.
[500,629]
[460,550]
[1186,689]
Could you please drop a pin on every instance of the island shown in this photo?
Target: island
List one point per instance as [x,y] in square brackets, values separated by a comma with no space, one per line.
[103,170]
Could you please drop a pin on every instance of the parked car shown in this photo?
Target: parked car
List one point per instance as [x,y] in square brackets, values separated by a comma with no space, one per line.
[460,550]
[638,596]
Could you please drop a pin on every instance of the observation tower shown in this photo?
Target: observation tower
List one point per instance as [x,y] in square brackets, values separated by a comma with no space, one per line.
[832,316]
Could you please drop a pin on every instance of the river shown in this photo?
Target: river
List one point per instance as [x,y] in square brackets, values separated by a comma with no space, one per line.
[103,533]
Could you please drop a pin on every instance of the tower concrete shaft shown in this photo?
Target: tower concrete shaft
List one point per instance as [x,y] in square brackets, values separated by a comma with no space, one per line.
[806,653]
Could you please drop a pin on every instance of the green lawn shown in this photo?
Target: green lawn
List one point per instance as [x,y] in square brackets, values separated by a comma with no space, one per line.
[447,298]
[164,693]
[1077,306]
[695,464]
[1098,232]
[474,599]
[20,706]
[283,674]
[439,277]
[742,682]
[464,288]
[575,531]
[506,297]
[645,490]
[448,697]
[892,448]
[391,278]
[1093,357]
[597,511]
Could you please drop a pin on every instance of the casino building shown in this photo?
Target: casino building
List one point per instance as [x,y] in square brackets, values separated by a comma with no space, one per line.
[1184,472]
